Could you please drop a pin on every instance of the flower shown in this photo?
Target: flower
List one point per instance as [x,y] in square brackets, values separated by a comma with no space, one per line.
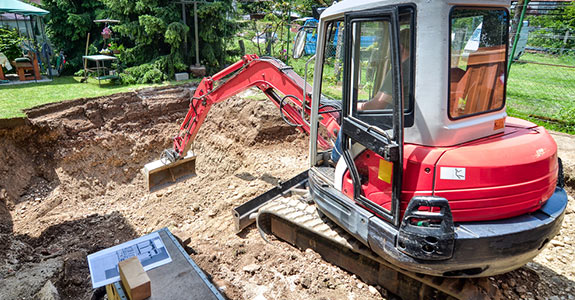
[106,31]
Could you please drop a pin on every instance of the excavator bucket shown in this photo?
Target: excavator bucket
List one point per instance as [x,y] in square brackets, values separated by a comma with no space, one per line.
[162,173]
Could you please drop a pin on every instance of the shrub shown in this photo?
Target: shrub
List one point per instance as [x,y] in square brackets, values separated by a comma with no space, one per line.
[10,43]
[145,73]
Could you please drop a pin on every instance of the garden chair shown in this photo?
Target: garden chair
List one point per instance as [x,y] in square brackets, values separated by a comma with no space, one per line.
[27,67]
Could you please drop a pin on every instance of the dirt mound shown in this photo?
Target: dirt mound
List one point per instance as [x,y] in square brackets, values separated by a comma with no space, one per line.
[71,185]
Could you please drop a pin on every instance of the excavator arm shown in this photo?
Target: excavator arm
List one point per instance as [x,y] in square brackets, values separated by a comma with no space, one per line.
[284,87]
[273,78]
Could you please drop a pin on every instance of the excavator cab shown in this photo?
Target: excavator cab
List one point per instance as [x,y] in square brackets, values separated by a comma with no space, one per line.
[431,178]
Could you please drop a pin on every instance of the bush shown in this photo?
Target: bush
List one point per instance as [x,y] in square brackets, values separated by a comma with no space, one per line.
[79,73]
[10,43]
[145,73]
[549,26]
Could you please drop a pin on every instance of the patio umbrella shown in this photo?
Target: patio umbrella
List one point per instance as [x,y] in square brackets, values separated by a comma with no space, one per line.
[18,7]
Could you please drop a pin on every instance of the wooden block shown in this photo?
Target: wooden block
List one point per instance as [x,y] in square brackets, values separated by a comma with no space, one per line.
[135,280]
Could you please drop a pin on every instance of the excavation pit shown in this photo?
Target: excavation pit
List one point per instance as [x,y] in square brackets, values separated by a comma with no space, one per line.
[71,184]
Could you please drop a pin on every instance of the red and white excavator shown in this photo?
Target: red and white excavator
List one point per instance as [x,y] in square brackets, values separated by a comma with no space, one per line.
[438,180]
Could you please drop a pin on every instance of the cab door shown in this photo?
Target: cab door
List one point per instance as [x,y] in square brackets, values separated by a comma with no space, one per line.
[373,110]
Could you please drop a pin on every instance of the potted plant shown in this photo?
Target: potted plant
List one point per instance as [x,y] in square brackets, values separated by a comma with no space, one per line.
[115,48]
[106,51]
[106,32]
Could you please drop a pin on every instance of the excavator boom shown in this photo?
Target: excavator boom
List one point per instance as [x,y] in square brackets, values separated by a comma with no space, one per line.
[277,81]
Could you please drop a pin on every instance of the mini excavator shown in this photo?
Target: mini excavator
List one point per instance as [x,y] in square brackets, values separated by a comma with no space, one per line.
[438,180]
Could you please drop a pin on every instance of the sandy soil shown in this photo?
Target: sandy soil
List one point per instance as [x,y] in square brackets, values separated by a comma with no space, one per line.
[70,185]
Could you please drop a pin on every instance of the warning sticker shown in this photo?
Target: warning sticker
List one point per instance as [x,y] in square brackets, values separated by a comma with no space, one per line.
[385,170]
[450,173]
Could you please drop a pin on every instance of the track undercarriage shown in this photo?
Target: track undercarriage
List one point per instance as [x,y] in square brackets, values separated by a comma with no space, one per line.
[293,219]
[291,216]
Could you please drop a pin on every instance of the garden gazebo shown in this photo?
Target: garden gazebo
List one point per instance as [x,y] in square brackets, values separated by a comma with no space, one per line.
[21,8]
[32,17]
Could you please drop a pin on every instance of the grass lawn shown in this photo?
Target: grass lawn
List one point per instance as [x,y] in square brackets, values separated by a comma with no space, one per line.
[541,93]
[15,98]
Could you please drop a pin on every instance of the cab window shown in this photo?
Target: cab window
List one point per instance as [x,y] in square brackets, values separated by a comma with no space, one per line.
[372,93]
[477,65]
[332,75]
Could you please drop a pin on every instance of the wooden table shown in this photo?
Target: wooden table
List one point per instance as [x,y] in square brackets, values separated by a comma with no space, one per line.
[103,72]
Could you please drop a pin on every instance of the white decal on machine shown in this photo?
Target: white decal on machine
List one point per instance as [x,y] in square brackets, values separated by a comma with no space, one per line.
[452,173]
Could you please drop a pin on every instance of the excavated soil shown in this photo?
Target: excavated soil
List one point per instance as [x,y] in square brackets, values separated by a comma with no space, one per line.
[70,185]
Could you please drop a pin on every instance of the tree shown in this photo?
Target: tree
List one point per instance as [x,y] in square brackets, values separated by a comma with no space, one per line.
[150,31]
[10,43]
[68,25]
[557,24]
[216,28]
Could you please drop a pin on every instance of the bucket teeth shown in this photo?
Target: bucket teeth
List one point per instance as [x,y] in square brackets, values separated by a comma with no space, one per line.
[161,173]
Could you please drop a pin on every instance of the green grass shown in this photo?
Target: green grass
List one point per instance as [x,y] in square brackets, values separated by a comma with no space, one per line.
[543,94]
[566,126]
[549,59]
[15,98]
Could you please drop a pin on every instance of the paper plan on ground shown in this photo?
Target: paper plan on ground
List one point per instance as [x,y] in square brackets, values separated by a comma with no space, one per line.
[150,250]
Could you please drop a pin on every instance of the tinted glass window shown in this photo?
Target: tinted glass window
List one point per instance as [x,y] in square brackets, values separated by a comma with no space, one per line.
[332,76]
[373,91]
[477,65]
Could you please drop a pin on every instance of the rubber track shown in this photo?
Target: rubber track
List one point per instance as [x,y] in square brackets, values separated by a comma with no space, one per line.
[294,219]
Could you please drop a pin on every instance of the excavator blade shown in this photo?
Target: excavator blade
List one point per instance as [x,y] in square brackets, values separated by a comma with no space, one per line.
[244,215]
[162,173]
